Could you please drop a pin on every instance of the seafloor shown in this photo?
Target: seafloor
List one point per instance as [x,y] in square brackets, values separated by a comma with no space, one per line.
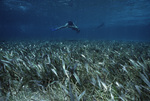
[74,70]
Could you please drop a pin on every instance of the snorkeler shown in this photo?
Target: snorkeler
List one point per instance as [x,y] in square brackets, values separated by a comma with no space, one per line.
[69,24]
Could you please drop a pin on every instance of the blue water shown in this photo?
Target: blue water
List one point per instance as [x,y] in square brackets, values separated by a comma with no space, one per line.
[97,19]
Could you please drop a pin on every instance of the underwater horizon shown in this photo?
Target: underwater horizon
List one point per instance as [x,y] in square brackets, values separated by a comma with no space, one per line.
[96,19]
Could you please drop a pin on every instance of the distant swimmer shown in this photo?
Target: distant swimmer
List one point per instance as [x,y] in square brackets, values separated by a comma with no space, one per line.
[101,25]
[69,24]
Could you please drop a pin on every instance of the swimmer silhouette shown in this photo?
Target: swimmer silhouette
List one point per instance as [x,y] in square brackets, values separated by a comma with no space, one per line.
[69,24]
[101,25]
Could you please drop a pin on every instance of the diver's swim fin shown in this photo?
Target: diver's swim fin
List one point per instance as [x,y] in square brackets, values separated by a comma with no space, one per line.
[53,29]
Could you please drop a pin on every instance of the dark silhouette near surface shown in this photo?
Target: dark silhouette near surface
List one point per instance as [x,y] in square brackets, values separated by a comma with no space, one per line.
[101,25]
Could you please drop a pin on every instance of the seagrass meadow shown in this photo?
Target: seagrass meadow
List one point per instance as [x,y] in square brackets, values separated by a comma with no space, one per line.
[74,71]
